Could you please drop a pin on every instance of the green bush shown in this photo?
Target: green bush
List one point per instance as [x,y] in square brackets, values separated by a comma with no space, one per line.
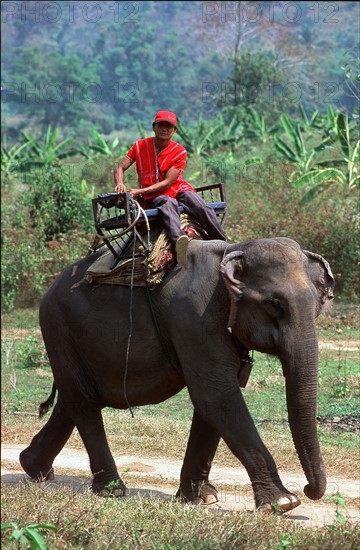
[56,203]
[30,264]
[47,223]
[32,353]
[22,271]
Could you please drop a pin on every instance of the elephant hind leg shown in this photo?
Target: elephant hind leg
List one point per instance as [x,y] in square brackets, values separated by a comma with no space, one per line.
[37,459]
[202,444]
[197,492]
[106,480]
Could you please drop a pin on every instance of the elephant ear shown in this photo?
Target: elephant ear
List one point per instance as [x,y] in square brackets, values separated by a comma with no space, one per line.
[323,279]
[231,268]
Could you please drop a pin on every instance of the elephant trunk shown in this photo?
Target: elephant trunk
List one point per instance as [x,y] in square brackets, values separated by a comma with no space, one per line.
[301,374]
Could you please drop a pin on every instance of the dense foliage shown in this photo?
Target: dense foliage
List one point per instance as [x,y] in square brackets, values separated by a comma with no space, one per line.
[47,215]
[270,109]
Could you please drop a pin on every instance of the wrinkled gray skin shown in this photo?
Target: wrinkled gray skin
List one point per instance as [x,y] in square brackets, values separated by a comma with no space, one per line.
[260,295]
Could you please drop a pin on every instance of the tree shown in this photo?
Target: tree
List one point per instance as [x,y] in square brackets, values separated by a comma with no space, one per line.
[253,84]
[52,89]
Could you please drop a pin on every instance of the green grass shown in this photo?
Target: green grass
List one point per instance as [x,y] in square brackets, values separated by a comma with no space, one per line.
[21,319]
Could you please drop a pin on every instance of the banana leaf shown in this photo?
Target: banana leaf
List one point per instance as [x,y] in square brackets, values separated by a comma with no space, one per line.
[315,191]
[344,134]
[285,149]
[316,177]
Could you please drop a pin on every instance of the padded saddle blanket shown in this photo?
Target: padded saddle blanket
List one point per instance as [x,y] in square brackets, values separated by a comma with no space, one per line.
[149,268]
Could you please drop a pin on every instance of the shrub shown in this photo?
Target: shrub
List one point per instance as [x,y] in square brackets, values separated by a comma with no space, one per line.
[22,272]
[47,224]
[32,353]
[56,203]
[29,264]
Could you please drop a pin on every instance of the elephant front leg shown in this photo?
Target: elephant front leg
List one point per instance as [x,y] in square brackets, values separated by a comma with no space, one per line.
[229,416]
[194,478]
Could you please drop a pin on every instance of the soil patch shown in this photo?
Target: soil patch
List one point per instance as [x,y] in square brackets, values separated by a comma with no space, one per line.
[346,422]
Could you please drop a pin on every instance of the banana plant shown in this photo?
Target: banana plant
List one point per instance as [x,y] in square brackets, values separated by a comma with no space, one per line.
[227,134]
[320,179]
[330,122]
[100,146]
[295,150]
[308,124]
[46,153]
[141,131]
[13,159]
[259,130]
[203,138]
[317,178]
[197,139]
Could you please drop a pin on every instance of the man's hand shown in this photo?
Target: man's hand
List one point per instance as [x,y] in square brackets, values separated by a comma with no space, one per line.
[120,188]
[135,192]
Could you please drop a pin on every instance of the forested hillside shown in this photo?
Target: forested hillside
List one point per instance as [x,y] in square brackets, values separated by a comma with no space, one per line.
[109,65]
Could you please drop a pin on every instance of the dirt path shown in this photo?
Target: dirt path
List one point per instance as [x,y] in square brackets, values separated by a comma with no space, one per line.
[232,483]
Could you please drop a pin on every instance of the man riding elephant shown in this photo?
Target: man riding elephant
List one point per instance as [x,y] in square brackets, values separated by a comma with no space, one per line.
[160,163]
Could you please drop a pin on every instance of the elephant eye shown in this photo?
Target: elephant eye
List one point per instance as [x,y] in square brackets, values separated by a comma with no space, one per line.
[274,306]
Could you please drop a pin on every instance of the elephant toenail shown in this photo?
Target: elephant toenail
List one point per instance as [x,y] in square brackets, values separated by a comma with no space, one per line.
[210,499]
[288,503]
[266,508]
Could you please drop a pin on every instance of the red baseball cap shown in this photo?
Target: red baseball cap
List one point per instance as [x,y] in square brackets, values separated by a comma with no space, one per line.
[166,116]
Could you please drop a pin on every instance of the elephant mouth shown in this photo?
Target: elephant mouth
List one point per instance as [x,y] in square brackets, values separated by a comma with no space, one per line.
[268,350]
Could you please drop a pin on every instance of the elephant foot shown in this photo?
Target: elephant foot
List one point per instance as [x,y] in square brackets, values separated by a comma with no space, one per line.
[281,505]
[197,492]
[37,473]
[113,489]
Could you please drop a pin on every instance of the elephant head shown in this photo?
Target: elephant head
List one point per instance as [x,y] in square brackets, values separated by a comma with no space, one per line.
[276,290]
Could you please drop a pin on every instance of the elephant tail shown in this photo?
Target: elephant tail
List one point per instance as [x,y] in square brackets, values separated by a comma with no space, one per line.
[44,407]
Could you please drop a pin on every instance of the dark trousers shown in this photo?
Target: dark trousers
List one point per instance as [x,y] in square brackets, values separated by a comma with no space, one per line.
[194,206]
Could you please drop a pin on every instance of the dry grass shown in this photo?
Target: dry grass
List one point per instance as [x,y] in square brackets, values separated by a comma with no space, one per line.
[85,521]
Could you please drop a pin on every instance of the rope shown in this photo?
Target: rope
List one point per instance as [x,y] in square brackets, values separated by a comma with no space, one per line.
[111,237]
[147,227]
[130,318]
[136,205]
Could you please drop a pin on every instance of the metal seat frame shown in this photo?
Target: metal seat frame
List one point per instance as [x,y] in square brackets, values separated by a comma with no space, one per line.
[118,217]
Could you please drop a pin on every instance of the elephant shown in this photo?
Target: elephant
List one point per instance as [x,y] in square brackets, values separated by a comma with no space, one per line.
[121,347]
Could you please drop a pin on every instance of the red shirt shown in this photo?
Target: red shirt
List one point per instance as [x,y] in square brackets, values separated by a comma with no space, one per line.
[152,170]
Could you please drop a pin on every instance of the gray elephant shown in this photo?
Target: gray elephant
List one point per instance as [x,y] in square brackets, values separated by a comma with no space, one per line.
[192,331]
